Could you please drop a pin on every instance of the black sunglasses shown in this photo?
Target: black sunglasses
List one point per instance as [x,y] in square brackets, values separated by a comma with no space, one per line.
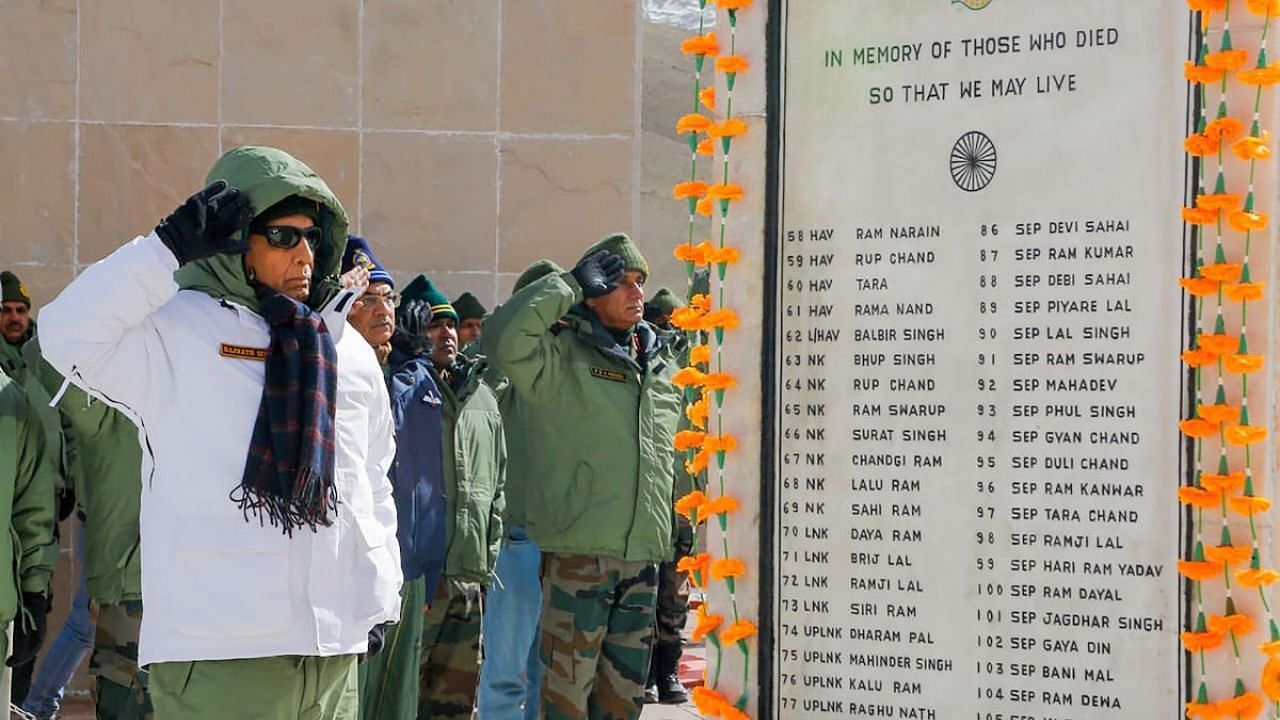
[287,237]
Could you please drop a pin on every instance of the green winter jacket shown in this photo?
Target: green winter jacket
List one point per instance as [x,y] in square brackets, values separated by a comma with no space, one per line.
[475,471]
[513,425]
[26,499]
[11,361]
[25,373]
[106,467]
[599,425]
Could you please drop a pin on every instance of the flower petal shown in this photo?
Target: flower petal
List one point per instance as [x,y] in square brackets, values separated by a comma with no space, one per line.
[1201,570]
[1241,435]
[1243,364]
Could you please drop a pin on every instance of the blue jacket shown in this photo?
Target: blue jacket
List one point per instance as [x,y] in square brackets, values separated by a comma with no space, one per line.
[417,475]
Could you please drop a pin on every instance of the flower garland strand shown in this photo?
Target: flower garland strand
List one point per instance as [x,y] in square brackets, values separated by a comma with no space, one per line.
[704,379]
[689,442]
[1253,148]
[1229,355]
[1198,640]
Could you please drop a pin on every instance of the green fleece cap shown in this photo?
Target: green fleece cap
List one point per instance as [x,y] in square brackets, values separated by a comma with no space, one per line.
[469,308]
[12,289]
[622,246]
[421,288]
[537,271]
[665,301]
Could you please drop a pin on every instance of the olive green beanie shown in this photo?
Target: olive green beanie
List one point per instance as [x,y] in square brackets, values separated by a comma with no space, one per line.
[622,246]
[537,271]
[665,301]
[12,289]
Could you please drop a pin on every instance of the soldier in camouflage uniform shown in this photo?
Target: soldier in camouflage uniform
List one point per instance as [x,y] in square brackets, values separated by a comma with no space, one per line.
[601,413]
[120,692]
[475,470]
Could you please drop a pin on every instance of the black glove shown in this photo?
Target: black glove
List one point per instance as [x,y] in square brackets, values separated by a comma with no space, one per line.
[598,274]
[410,337]
[376,637]
[66,503]
[207,224]
[413,317]
[28,635]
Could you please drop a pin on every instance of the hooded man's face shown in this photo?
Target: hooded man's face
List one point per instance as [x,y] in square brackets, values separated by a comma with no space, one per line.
[623,308]
[15,321]
[443,334]
[284,270]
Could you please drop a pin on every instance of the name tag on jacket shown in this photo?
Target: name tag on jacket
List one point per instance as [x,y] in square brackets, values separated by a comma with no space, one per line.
[606,374]
[242,352]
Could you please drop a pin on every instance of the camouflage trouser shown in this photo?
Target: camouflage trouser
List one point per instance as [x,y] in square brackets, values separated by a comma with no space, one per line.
[597,628]
[673,590]
[120,691]
[450,666]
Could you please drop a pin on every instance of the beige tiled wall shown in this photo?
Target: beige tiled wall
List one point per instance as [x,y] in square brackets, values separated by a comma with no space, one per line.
[466,138]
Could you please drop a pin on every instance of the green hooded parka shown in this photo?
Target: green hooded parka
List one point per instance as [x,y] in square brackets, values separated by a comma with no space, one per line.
[475,471]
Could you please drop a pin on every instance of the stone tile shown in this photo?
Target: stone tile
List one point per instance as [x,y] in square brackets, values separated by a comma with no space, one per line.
[289,62]
[38,206]
[429,201]
[662,222]
[430,64]
[38,54]
[44,281]
[137,66]
[559,196]
[666,85]
[333,154]
[506,285]
[132,176]
[454,284]
[583,79]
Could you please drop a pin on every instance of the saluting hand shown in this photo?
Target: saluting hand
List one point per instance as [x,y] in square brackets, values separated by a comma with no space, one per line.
[598,273]
[207,224]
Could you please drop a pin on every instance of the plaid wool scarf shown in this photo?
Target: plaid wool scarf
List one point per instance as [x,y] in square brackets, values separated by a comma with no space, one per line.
[289,472]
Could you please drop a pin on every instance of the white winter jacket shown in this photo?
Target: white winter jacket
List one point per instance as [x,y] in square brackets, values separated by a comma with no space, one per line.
[216,586]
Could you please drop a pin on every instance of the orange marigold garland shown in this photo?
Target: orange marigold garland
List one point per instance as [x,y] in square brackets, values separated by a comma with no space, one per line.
[705,322]
[1225,491]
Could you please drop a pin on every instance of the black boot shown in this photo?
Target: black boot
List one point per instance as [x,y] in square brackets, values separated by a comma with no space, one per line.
[651,687]
[667,667]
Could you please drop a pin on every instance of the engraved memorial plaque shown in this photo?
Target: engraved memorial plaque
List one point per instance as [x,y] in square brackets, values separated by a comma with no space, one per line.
[977,372]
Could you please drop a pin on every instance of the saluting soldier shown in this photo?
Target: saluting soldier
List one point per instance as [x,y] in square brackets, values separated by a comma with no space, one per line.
[601,413]
[267,521]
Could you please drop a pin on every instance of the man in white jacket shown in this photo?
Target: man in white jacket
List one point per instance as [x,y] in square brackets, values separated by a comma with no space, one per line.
[269,554]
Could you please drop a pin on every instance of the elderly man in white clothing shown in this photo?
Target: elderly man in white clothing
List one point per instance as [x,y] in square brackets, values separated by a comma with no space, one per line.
[269,554]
